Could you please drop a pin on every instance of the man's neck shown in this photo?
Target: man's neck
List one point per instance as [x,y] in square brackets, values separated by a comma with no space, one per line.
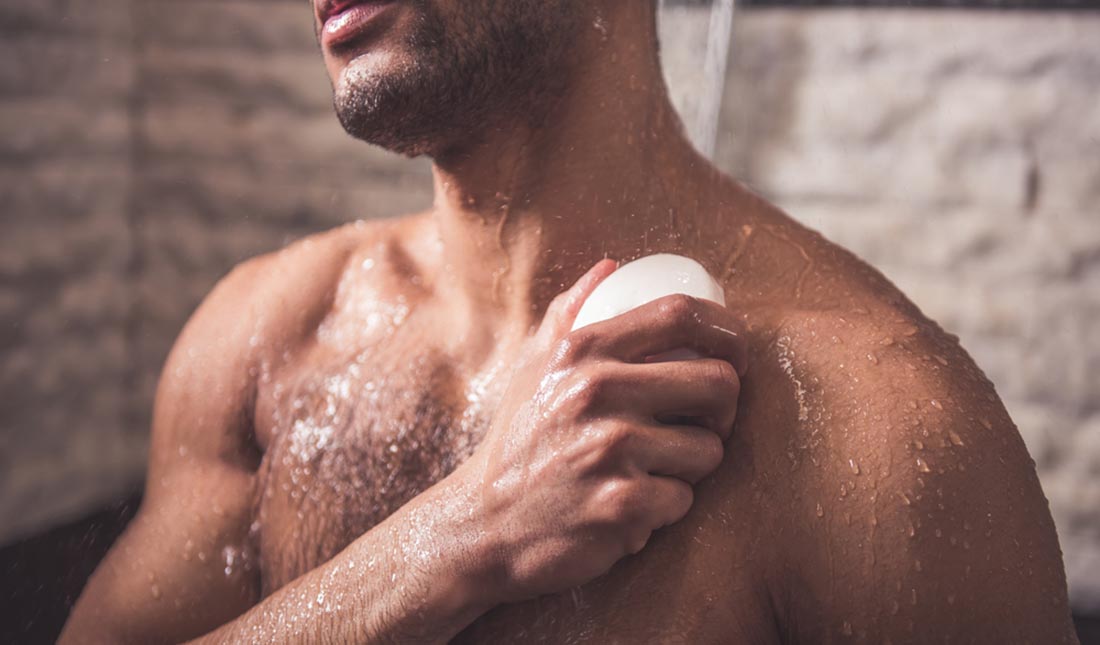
[606,173]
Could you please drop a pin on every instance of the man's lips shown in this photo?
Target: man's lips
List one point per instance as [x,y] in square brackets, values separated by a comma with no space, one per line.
[342,20]
[328,8]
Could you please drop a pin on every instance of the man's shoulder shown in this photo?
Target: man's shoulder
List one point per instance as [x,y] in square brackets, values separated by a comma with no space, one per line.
[301,268]
[892,480]
[296,284]
[900,472]
[847,328]
[274,300]
[882,381]
[876,349]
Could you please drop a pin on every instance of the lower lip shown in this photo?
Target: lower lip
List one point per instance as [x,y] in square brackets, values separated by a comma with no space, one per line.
[351,22]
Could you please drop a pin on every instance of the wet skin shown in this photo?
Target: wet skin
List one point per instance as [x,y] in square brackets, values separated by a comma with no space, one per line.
[874,485]
[812,527]
[321,462]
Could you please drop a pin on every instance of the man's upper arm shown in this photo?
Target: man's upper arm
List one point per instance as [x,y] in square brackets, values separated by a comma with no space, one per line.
[921,515]
[183,565]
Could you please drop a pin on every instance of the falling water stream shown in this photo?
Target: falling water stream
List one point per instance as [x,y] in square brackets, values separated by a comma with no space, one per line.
[703,124]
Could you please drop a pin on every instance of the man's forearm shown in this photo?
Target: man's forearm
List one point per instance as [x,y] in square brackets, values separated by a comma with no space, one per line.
[421,576]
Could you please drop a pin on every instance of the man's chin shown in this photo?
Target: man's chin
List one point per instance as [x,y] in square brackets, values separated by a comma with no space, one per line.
[370,68]
[396,129]
[385,100]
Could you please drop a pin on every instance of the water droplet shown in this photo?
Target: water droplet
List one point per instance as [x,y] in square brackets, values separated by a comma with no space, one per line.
[922,466]
[985,422]
[871,357]
[936,404]
[820,511]
[853,466]
[916,565]
[894,608]
[154,591]
[601,27]
[941,360]
[955,438]
[905,498]
[846,628]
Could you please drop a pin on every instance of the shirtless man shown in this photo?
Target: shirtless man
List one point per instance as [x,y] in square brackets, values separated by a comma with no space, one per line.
[387,433]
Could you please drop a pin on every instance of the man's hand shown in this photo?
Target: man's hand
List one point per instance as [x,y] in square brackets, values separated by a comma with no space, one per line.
[578,469]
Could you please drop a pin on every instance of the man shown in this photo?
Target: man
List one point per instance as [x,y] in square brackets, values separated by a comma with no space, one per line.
[387,432]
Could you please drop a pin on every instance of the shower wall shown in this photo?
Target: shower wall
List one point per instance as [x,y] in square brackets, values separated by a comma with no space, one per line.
[146,147]
[959,153]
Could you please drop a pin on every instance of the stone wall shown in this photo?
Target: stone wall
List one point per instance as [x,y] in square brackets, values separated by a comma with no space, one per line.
[146,147]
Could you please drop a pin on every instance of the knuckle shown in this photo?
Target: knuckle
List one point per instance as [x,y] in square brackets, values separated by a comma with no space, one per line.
[678,308]
[618,502]
[609,442]
[615,434]
[563,351]
[575,346]
[590,389]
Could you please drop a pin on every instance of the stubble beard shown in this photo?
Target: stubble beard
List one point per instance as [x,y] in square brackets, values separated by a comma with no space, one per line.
[452,84]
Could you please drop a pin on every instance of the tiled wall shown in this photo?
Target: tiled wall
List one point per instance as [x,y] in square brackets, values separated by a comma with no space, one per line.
[146,147]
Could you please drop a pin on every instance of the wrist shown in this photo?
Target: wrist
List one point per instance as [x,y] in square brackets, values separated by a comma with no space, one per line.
[450,535]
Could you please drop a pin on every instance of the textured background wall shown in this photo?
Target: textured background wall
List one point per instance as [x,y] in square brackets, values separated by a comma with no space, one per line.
[147,146]
[960,154]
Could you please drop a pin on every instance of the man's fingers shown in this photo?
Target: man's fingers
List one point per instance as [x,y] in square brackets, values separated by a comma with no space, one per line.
[687,453]
[670,323]
[704,389]
[564,307]
[671,499]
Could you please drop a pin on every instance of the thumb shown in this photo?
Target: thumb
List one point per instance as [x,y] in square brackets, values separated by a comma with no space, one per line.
[564,307]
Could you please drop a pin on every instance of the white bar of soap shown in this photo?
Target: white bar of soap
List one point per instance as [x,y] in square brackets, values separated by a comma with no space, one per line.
[644,280]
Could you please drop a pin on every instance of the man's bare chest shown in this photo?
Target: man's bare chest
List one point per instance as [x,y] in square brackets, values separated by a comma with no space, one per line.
[352,437]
